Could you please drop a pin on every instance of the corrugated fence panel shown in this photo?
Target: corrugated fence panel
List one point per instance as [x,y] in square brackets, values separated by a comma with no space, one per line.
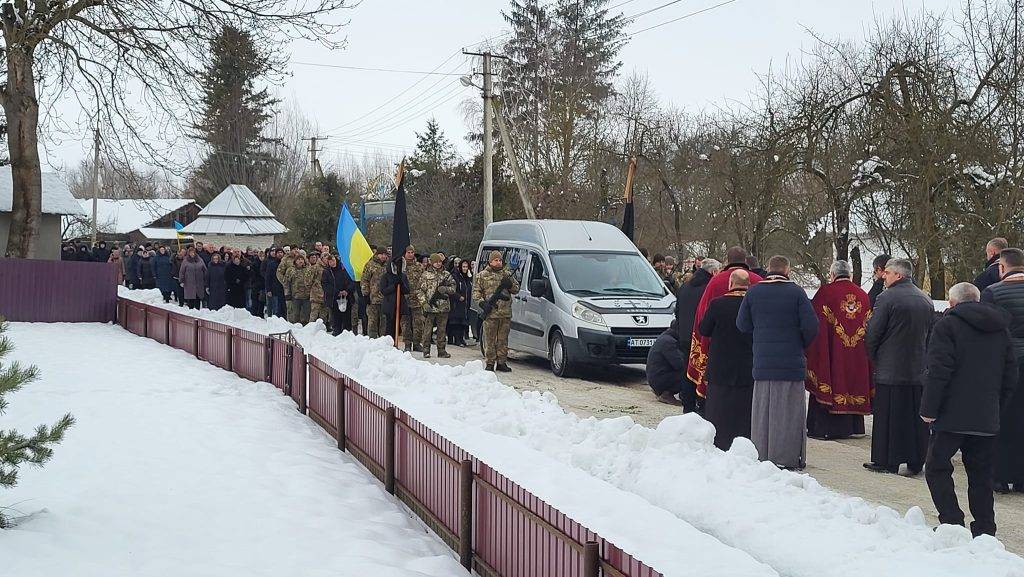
[279,363]
[157,324]
[249,356]
[215,344]
[365,426]
[50,291]
[323,395]
[184,333]
[135,318]
[298,390]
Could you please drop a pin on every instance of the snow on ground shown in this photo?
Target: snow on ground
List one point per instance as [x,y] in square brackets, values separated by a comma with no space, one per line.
[175,467]
[783,519]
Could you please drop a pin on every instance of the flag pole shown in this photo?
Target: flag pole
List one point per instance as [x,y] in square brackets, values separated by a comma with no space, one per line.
[394,250]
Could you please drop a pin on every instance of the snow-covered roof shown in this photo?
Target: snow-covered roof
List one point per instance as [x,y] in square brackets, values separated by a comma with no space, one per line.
[123,216]
[162,234]
[57,199]
[236,211]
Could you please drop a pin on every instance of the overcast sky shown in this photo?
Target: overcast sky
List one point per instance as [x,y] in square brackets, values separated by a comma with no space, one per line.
[693,63]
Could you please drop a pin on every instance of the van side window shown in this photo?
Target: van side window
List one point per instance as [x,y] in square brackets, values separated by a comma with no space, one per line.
[514,259]
[482,264]
[536,267]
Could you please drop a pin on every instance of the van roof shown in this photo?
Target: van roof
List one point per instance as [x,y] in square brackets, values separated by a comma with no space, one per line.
[555,235]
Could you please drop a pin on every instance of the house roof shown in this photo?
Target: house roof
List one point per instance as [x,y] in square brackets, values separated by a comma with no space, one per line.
[123,216]
[57,199]
[162,234]
[235,211]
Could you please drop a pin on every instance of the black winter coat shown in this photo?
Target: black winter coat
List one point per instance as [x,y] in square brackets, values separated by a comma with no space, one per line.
[389,282]
[1008,295]
[270,278]
[145,272]
[100,253]
[254,272]
[335,280]
[216,282]
[897,334]
[972,370]
[687,298]
[666,365]
[459,314]
[876,289]
[990,275]
[782,320]
[235,276]
[731,359]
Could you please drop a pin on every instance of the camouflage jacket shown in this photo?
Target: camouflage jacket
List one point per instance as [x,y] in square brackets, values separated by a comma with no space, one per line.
[316,292]
[282,271]
[434,281]
[369,285]
[485,284]
[300,280]
[413,272]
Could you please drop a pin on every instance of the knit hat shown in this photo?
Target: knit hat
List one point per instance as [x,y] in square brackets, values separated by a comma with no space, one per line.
[670,260]
[410,248]
[381,250]
[436,258]
[495,254]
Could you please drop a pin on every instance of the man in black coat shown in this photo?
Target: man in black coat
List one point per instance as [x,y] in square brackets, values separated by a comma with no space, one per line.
[100,253]
[990,275]
[666,366]
[730,364]
[971,374]
[275,290]
[1008,294]
[780,316]
[687,298]
[878,276]
[895,339]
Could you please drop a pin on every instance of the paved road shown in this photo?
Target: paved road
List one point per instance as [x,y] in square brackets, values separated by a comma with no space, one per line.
[617,391]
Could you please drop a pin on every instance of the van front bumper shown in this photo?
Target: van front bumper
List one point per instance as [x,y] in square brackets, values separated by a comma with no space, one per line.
[599,347]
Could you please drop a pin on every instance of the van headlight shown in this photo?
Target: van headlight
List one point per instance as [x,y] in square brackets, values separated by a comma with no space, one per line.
[586,314]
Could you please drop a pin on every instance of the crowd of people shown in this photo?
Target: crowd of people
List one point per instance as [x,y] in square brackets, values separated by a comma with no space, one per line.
[431,294]
[759,358]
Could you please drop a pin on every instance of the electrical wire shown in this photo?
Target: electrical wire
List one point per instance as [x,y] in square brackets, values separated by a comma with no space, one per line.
[650,10]
[683,17]
[370,69]
[429,107]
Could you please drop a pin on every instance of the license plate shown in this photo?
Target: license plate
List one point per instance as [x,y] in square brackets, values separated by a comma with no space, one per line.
[639,343]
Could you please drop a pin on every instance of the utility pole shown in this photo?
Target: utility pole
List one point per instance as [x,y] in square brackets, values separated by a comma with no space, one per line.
[314,165]
[506,141]
[95,176]
[488,135]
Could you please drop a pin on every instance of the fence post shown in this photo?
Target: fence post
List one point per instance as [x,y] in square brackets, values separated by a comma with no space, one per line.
[341,414]
[268,359]
[288,369]
[195,324]
[591,559]
[389,450]
[145,320]
[466,514]
[167,328]
[303,401]
[231,349]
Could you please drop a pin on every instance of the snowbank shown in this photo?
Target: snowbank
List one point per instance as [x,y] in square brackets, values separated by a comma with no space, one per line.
[782,519]
[175,467]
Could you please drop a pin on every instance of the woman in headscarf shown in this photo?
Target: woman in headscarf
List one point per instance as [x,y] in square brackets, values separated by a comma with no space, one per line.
[458,319]
[235,276]
[193,278]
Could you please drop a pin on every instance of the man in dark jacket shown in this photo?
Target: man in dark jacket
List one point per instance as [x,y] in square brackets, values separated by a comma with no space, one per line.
[971,374]
[100,253]
[990,275]
[895,339]
[878,276]
[687,298]
[1008,294]
[779,314]
[275,290]
[665,366]
[730,391]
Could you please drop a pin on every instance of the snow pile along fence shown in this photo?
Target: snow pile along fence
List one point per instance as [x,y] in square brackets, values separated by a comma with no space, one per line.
[498,528]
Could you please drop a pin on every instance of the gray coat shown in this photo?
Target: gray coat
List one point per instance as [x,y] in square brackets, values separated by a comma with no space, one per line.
[898,334]
[193,277]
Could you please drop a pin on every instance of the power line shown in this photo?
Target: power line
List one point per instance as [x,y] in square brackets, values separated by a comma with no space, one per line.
[370,69]
[362,128]
[683,17]
[444,99]
[655,9]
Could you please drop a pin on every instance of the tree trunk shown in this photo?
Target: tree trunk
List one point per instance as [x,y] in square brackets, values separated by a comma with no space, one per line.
[936,271]
[857,265]
[22,110]
[842,239]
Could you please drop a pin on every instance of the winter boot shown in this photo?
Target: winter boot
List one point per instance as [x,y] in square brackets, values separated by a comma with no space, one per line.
[417,348]
[489,367]
[408,347]
[426,354]
[503,368]
[443,355]
[669,399]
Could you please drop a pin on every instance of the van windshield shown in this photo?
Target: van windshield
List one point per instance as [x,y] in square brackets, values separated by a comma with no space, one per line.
[605,274]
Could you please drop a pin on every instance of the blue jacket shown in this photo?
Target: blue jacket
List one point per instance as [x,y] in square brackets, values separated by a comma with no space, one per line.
[782,320]
[163,269]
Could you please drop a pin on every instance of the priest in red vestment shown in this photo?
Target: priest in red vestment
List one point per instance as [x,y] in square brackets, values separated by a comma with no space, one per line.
[838,371]
[700,346]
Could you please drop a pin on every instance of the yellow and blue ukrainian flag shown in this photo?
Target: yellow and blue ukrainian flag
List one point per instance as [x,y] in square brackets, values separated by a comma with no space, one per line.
[353,249]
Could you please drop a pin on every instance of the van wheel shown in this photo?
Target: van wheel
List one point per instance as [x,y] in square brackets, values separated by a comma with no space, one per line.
[561,363]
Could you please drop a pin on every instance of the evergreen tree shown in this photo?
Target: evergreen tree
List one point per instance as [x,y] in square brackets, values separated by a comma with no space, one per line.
[15,448]
[315,217]
[433,151]
[234,116]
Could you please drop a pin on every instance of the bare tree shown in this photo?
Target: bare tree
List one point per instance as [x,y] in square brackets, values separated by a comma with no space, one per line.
[113,56]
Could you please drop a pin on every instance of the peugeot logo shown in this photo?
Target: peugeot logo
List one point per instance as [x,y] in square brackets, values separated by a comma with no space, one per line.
[640,319]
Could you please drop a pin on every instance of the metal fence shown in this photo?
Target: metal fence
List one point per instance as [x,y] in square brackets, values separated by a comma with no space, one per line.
[497,528]
[49,291]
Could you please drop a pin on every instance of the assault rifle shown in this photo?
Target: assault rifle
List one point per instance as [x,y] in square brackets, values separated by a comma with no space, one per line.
[499,295]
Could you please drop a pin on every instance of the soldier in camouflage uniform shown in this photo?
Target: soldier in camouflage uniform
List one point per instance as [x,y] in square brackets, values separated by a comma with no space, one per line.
[498,323]
[435,286]
[673,278]
[317,309]
[298,282]
[282,271]
[369,285]
[412,323]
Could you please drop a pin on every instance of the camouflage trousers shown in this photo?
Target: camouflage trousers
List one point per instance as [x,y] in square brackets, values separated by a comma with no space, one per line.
[496,339]
[298,311]
[319,311]
[375,321]
[412,327]
[431,320]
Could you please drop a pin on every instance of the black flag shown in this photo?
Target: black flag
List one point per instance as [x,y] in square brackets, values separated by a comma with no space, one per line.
[400,232]
[627,214]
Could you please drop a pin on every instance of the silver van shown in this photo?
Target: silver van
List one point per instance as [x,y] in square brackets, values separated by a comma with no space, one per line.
[587,295]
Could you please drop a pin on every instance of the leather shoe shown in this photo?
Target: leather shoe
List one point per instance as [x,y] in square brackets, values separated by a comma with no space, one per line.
[503,368]
[669,399]
[489,367]
[879,468]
